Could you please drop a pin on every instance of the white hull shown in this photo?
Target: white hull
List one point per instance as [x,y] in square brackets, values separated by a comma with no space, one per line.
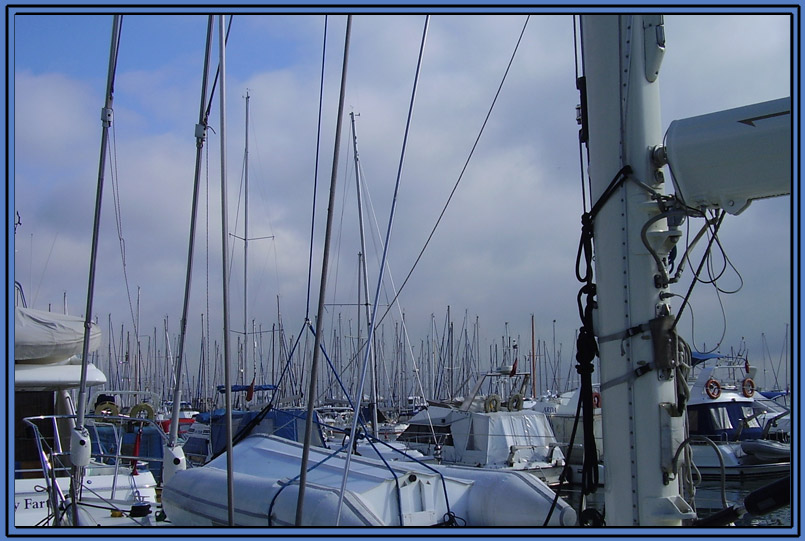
[738,464]
[106,500]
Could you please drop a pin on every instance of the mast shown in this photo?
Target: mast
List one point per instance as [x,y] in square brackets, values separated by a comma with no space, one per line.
[533,362]
[225,278]
[365,282]
[323,286]
[201,135]
[79,450]
[621,59]
[245,241]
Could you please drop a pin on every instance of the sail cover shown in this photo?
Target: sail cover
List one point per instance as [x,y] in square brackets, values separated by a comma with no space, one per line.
[47,337]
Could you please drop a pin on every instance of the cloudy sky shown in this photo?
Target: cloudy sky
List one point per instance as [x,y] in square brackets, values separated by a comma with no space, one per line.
[506,246]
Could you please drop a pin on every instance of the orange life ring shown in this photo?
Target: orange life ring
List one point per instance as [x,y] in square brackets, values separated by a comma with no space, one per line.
[596,400]
[748,387]
[712,388]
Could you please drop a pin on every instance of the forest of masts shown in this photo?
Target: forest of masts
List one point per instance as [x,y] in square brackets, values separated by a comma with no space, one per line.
[442,366]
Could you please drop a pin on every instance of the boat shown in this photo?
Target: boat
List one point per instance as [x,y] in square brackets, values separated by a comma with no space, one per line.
[728,425]
[113,491]
[479,433]
[187,414]
[206,437]
[266,470]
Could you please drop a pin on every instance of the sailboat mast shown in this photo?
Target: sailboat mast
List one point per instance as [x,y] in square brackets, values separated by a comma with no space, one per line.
[323,285]
[621,60]
[79,450]
[246,240]
[201,135]
[365,281]
[225,277]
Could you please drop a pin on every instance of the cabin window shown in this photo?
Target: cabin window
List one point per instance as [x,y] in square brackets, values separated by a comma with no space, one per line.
[748,411]
[721,420]
[424,434]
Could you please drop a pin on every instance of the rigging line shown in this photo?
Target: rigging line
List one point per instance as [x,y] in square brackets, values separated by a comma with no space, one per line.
[316,169]
[237,214]
[581,119]
[217,72]
[339,239]
[112,144]
[44,269]
[371,209]
[463,170]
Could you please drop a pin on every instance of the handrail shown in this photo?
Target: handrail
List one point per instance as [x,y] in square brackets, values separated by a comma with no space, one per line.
[44,449]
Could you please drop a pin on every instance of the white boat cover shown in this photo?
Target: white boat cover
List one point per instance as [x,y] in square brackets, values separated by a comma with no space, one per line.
[45,337]
[402,494]
[521,439]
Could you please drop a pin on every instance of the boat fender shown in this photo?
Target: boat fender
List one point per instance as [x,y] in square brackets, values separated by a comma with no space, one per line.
[748,387]
[712,388]
[515,402]
[492,403]
[596,400]
[107,408]
[80,447]
[142,408]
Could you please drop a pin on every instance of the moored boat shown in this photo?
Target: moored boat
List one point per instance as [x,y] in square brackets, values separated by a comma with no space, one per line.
[725,428]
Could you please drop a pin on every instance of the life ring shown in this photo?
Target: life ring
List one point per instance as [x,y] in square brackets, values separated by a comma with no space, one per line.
[107,408]
[712,388]
[515,402]
[596,400]
[492,403]
[748,387]
[137,411]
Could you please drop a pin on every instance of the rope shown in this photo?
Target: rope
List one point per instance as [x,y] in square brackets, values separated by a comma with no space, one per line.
[586,346]
[316,170]
[112,144]
[566,469]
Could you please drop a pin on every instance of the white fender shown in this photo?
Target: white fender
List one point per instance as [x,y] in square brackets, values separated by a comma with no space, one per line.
[80,447]
[173,460]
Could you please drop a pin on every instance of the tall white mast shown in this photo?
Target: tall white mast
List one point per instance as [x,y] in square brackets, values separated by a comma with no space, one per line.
[246,245]
[621,56]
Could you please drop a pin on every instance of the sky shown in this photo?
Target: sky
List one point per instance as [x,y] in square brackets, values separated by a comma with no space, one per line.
[506,246]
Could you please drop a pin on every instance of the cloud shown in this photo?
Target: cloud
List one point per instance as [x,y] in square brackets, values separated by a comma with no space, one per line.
[506,246]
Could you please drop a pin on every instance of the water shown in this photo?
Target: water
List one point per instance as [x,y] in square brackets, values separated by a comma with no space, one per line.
[707,501]
[708,497]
